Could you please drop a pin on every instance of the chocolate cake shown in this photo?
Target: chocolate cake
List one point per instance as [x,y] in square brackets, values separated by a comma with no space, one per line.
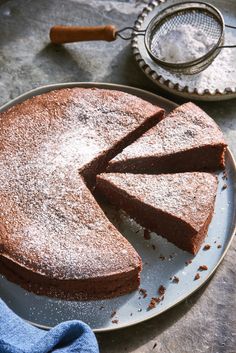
[63,243]
[186,140]
[55,239]
[177,206]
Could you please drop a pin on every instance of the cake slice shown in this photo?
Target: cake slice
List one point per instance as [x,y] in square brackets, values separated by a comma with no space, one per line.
[186,140]
[177,206]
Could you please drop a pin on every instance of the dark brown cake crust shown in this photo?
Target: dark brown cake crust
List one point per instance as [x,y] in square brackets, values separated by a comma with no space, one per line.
[54,237]
[177,206]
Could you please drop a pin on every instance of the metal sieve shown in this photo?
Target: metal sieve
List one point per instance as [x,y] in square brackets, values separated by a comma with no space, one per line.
[199,15]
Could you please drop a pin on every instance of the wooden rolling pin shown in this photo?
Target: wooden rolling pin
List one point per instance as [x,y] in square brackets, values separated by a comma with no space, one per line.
[70,34]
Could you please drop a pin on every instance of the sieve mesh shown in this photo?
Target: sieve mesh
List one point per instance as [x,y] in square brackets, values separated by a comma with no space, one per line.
[197,18]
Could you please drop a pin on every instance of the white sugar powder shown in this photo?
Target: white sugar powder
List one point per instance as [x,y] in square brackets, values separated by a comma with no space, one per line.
[182,44]
[219,75]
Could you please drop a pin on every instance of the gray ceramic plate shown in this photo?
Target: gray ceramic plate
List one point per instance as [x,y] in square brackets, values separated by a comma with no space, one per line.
[218,82]
[161,259]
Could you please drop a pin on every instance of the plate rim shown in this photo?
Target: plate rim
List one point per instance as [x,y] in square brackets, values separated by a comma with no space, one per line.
[53,86]
[167,84]
[47,88]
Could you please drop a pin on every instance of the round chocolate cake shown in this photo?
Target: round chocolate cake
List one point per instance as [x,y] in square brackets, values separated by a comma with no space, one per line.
[55,239]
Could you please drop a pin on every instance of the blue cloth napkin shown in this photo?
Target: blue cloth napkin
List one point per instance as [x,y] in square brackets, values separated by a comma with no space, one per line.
[17,336]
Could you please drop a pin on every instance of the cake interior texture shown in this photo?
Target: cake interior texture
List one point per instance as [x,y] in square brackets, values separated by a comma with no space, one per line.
[177,206]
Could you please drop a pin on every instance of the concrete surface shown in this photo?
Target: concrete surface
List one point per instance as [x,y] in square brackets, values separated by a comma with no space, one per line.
[206,322]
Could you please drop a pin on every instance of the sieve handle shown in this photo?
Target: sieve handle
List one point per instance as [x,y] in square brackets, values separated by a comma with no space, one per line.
[70,34]
[228,46]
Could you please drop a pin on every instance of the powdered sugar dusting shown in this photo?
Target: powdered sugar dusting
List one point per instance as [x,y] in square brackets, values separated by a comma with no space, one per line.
[220,75]
[185,128]
[58,224]
[182,44]
[188,196]
[51,222]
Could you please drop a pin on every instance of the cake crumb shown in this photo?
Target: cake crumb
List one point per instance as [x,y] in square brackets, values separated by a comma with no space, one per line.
[153,302]
[162,257]
[113,313]
[175,279]
[224,177]
[207,247]
[161,290]
[143,292]
[146,234]
[154,346]
[203,268]
[115,321]
[197,276]
[139,310]
[224,187]
[219,246]
[188,262]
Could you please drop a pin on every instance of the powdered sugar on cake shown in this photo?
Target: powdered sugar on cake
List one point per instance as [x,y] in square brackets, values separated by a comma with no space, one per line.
[51,222]
[187,127]
[187,196]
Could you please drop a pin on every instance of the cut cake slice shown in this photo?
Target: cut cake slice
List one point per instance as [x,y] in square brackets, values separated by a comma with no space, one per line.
[186,140]
[177,206]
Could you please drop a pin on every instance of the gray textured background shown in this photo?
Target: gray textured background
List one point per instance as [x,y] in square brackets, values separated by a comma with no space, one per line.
[206,322]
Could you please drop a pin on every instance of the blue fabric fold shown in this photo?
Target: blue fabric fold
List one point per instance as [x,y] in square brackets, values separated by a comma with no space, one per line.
[17,336]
